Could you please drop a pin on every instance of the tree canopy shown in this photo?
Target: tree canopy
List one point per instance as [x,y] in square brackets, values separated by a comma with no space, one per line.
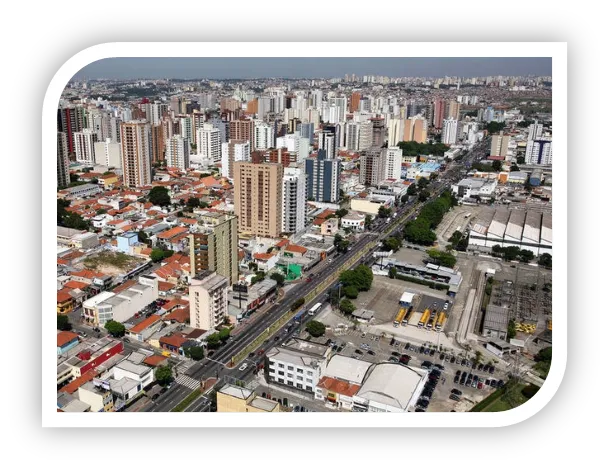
[163,375]
[545,260]
[347,307]
[315,328]
[341,212]
[115,329]
[69,219]
[159,195]
[193,202]
[350,292]
[415,149]
[442,258]
[280,279]
[392,244]
[384,212]
[494,127]
[361,278]
[196,353]
[63,323]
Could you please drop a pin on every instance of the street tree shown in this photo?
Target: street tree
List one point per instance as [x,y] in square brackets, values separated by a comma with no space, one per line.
[347,307]
[341,212]
[115,328]
[163,375]
[316,328]
[63,323]
[350,292]
[196,353]
[368,222]
[384,212]
[280,279]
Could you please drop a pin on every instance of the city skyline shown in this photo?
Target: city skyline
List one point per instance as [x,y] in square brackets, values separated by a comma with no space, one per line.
[310,67]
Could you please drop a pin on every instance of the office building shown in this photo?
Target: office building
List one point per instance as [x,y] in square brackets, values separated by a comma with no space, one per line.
[213,248]
[258,189]
[264,136]
[209,144]
[84,144]
[208,297]
[499,146]
[242,130]
[449,132]
[63,164]
[136,148]
[538,152]
[323,178]
[233,151]
[294,199]
[415,130]
[177,153]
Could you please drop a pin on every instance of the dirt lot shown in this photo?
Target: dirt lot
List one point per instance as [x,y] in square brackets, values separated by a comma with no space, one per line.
[111,263]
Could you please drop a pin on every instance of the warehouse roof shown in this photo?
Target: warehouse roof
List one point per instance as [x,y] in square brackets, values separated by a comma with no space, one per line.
[347,369]
[391,384]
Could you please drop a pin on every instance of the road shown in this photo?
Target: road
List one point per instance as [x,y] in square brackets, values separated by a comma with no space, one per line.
[176,394]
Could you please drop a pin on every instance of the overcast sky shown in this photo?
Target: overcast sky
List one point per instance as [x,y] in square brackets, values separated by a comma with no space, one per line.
[307,67]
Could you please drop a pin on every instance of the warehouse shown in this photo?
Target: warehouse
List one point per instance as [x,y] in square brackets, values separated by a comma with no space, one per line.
[523,228]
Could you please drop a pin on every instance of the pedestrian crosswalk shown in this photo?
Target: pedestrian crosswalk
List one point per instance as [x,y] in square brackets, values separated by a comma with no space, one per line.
[188,382]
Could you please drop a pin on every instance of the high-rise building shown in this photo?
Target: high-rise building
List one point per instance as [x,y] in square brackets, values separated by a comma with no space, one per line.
[354,102]
[264,136]
[222,126]
[242,130]
[453,110]
[209,143]
[415,130]
[115,129]
[323,176]
[136,148]
[365,135]
[175,104]
[294,199]
[187,129]
[158,140]
[208,297]
[84,144]
[258,189]
[449,132]
[378,131]
[63,174]
[108,153]
[395,132]
[392,163]
[538,152]
[307,130]
[371,166]
[499,145]
[71,120]
[326,142]
[233,151]
[177,153]
[535,131]
[352,136]
[439,113]
[215,249]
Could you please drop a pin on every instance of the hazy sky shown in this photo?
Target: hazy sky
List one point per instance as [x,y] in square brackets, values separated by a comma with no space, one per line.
[307,67]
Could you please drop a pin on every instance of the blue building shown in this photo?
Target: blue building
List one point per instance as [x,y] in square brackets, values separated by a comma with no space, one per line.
[307,130]
[125,241]
[323,178]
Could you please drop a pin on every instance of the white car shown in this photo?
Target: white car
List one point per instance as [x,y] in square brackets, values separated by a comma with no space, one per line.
[243,367]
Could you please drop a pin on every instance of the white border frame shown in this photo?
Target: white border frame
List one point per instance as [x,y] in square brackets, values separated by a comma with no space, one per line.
[557,51]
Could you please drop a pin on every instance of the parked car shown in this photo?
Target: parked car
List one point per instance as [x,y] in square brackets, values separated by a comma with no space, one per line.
[485,368]
[500,383]
[456,380]
[395,354]
[371,352]
[452,359]
[442,356]
[426,365]
[432,352]
[463,362]
[359,352]
[421,349]
[243,367]
[458,373]
[454,398]
[456,391]
[491,369]
[393,360]
[480,384]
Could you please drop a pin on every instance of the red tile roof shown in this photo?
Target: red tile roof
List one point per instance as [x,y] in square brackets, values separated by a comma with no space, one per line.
[146,323]
[174,340]
[73,386]
[165,286]
[282,243]
[338,386]
[263,256]
[174,304]
[154,360]
[296,248]
[74,284]
[65,337]
[180,315]
[63,296]
[172,232]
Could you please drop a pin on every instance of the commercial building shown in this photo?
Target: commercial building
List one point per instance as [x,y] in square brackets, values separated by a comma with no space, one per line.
[92,356]
[294,199]
[63,163]
[209,145]
[371,203]
[429,272]
[297,363]
[177,153]
[415,130]
[258,189]
[390,387]
[76,239]
[323,178]
[208,297]
[474,187]
[499,146]
[136,157]
[232,398]
[96,395]
[354,220]
[538,152]
[526,229]
[108,306]
[341,381]
[233,152]
[214,248]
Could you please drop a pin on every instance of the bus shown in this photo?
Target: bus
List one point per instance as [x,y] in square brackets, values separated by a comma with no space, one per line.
[424,318]
[400,317]
[315,309]
[431,320]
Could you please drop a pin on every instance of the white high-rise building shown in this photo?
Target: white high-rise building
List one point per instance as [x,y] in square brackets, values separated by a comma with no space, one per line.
[395,129]
[264,136]
[108,153]
[208,143]
[326,142]
[392,163]
[535,131]
[352,136]
[449,131]
[177,153]
[539,152]
[63,164]
[136,144]
[365,135]
[317,98]
[84,144]
[208,301]
[294,199]
[186,130]
[233,151]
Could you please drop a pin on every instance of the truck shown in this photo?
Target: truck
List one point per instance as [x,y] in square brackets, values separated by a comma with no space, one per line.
[440,323]
[431,320]
[424,318]
[407,317]
[399,317]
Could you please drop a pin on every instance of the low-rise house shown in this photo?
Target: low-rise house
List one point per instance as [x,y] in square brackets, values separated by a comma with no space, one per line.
[65,341]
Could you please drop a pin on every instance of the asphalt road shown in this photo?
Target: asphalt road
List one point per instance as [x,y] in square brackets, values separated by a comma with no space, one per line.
[176,394]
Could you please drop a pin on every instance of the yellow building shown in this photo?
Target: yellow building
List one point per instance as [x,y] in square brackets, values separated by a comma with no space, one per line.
[65,302]
[109,180]
[233,398]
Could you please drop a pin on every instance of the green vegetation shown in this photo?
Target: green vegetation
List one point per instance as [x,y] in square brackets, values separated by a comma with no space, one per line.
[115,329]
[341,212]
[196,353]
[361,278]
[384,212]
[545,260]
[297,304]
[511,332]
[69,219]
[63,323]
[415,149]
[420,281]
[412,189]
[217,338]
[193,202]
[392,244]
[497,165]
[424,195]
[187,401]
[419,231]
[494,127]
[259,277]
[347,307]
[392,272]
[159,254]
[315,328]
[458,241]
[443,258]
[524,124]
[512,395]
[514,168]
[351,292]
[340,243]
[159,195]
[543,361]
[520,160]
[368,222]
[512,253]
[280,279]
[115,259]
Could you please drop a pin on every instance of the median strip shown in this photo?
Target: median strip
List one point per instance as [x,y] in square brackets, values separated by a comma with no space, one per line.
[187,401]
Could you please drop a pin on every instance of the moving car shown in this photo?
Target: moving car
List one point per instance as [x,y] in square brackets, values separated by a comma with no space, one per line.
[243,367]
